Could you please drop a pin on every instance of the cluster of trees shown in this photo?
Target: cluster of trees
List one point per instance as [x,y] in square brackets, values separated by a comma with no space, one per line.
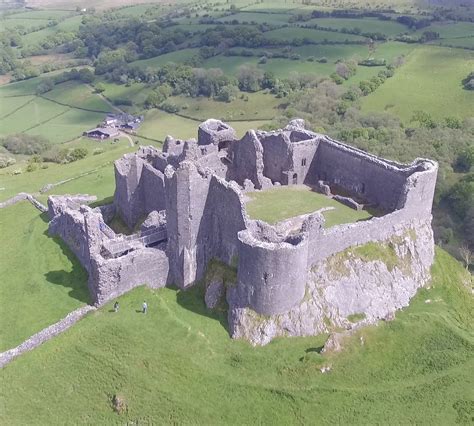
[85,75]
[344,70]
[25,144]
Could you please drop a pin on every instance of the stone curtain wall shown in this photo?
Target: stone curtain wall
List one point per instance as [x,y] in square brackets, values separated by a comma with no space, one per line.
[110,278]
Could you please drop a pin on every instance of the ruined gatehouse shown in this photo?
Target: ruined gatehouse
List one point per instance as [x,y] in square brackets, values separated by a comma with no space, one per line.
[294,278]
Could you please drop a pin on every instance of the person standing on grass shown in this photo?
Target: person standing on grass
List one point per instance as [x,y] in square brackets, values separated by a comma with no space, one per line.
[116,306]
[144,307]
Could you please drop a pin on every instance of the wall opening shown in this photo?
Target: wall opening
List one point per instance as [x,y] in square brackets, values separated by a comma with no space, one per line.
[303,162]
[295,178]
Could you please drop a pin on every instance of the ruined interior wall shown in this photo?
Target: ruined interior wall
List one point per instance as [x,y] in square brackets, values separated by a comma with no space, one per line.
[305,150]
[358,173]
[186,195]
[153,188]
[247,160]
[128,198]
[110,278]
[70,226]
[224,217]
[276,156]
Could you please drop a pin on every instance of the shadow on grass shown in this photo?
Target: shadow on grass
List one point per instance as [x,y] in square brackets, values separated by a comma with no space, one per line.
[76,279]
[193,300]
[104,201]
[317,350]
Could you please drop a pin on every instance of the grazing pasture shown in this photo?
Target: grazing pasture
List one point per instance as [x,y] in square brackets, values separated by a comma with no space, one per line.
[315,36]
[178,56]
[42,284]
[154,365]
[429,81]
[365,25]
[34,181]
[259,18]
[250,106]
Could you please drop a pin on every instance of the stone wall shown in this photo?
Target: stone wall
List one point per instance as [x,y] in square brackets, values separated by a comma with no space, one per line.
[110,278]
[271,274]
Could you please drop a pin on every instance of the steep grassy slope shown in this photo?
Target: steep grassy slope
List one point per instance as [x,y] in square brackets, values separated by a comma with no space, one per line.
[41,280]
[178,365]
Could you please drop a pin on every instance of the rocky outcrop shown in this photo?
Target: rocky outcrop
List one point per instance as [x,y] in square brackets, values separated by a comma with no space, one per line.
[360,285]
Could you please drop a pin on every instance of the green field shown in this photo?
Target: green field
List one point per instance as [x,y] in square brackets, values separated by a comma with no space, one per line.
[253,106]
[178,365]
[277,204]
[449,30]
[317,36]
[158,124]
[42,281]
[429,81]
[32,114]
[259,18]
[78,95]
[27,24]
[158,61]
[34,181]
[366,25]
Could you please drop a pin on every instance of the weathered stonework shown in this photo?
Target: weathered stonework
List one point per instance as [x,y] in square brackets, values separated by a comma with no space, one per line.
[295,278]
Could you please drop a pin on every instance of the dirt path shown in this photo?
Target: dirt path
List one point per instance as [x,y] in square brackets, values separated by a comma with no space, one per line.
[126,135]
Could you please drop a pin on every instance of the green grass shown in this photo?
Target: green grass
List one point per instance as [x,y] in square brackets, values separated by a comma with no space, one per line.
[34,181]
[429,81]
[158,61]
[67,126]
[32,114]
[78,95]
[259,18]
[8,107]
[177,364]
[318,36]
[41,280]
[27,24]
[449,30]
[41,14]
[366,25]
[276,204]
[158,124]
[463,42]
[258,105]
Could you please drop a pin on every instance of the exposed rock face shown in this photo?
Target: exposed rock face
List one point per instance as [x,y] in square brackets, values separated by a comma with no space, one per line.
[347,284]
[214,294]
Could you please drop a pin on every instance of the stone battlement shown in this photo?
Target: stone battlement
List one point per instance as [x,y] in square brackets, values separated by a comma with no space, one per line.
[198,187]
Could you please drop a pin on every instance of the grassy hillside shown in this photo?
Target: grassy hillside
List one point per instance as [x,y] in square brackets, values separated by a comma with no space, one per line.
[42,280]
[430,81]
[177,364]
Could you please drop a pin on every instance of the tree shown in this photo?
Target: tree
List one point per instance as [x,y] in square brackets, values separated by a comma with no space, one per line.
[250,78]
[424,119]
[99,88]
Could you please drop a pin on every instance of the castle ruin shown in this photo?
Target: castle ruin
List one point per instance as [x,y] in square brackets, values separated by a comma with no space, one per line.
[294,278]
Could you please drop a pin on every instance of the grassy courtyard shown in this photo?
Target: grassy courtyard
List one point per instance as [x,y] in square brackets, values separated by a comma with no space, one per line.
[177,364]
[281,203]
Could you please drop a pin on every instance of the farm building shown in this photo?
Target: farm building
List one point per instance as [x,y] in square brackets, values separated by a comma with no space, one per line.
[102,133]
[122,121]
